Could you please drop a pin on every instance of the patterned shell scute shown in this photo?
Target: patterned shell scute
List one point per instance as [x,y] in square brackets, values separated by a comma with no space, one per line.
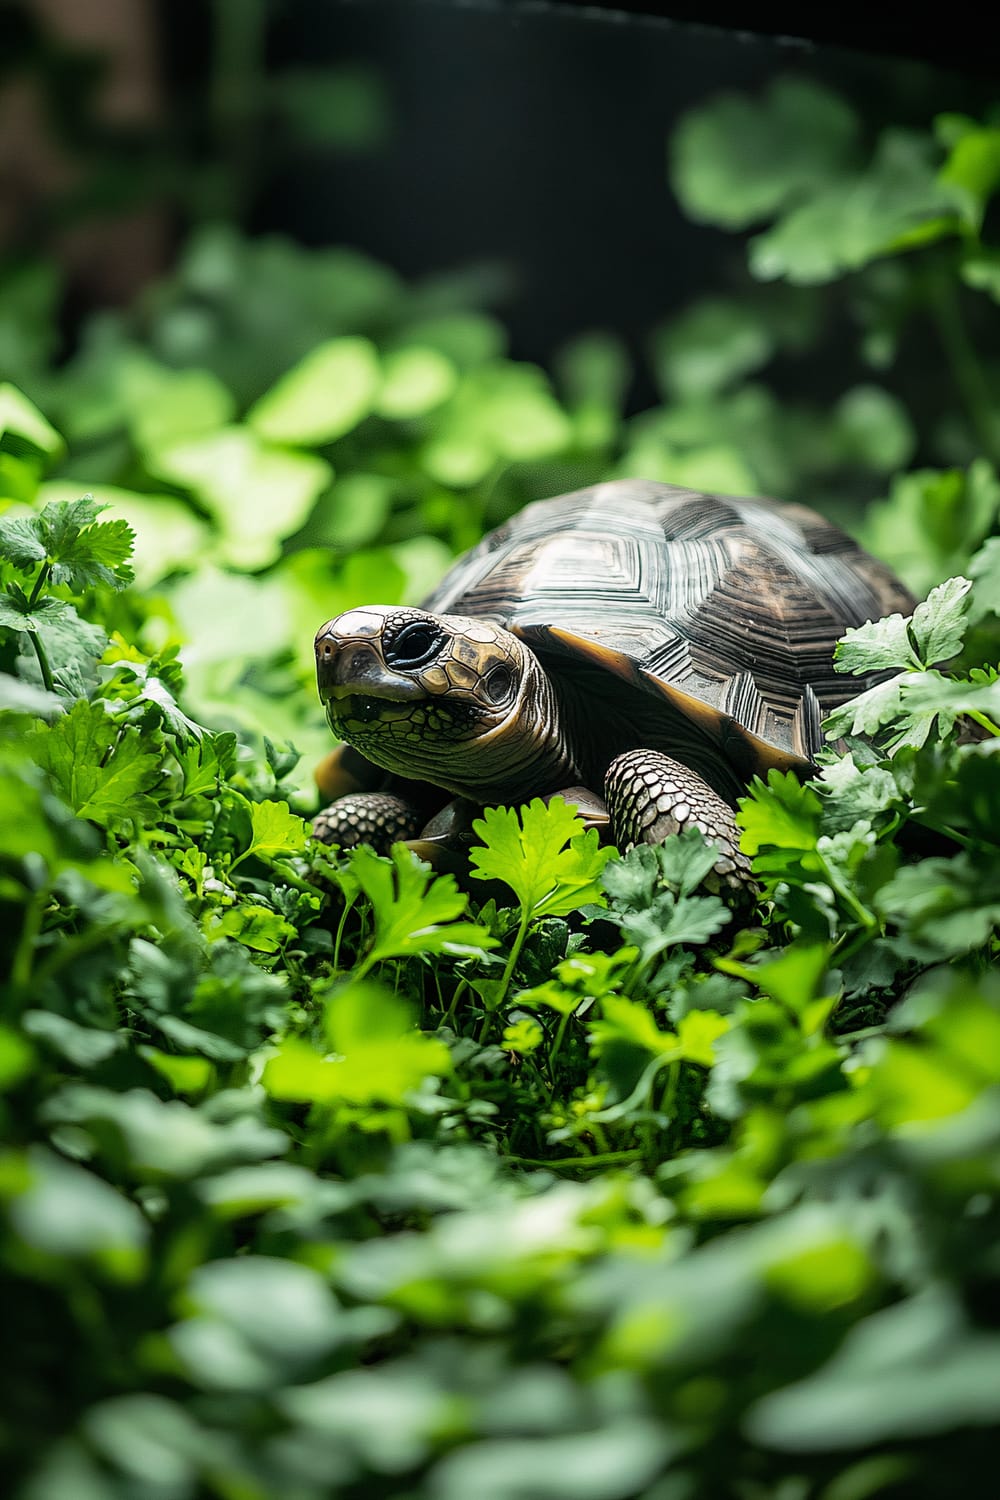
[731,605]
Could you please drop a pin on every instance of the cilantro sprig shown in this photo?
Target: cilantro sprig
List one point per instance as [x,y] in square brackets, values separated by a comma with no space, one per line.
[64,545]
[546,857]
[904,709]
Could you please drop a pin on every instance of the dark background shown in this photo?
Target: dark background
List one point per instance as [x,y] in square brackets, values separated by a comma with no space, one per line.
[525,140]
[535,136]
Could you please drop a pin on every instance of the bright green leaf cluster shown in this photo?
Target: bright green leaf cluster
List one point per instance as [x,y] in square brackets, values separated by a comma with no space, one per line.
[322,1175]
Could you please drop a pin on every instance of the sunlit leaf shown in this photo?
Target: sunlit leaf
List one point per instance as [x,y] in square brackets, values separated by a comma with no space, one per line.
[324,396]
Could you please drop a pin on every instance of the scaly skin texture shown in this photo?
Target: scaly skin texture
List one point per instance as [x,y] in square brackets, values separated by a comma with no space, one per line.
[693,631]
[376,818]
[432,713]
[650,796]
[456,702]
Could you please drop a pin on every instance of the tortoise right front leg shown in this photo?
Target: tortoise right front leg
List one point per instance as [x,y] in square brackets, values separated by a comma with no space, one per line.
[380,819]
[361,807]
[650,796]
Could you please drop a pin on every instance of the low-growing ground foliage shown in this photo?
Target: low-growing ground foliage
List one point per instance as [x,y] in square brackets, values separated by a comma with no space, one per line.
[322,1175]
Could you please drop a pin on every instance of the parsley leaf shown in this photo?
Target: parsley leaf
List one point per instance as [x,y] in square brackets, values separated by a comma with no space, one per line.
[17,611]
[933,633]
[939,623]
[918,695]
[875,646]
[414,911]
[544,855]
[782,814]
[379,1055]
[547,859]
[103,771]
[20,543]
[79,550]
[274,831]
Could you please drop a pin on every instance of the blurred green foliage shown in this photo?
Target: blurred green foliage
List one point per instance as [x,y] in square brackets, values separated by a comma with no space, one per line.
[321,1178]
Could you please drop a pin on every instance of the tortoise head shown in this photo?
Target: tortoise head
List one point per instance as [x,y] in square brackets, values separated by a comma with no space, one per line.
[440,698]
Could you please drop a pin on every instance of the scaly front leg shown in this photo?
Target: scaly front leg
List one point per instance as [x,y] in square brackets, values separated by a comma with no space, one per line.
[380,819]
[651,796]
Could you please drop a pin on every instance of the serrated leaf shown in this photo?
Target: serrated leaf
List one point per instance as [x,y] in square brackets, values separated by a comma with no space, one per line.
[414,911]
[672,921]
[17,614]
[855,792]
[868,711]
[910,705]
[256,927]
[20,543]
[102,772]
[83,551]
[543,855]
[275,831]
[878,645]
[783,814]
[685,859]
[631,881]
[939,623]
[205,761]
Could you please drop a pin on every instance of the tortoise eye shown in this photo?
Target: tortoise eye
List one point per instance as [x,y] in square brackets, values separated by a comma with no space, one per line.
[498,684]
[415,645]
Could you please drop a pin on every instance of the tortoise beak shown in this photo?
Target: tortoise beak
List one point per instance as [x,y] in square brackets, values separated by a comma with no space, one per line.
[347,664]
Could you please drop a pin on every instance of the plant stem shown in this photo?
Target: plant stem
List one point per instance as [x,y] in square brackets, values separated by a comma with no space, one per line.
[341,925]
[557,1043]
[505,978]
[449,1016]
[41,579]
[21,968]
[577,1161]
[43,661]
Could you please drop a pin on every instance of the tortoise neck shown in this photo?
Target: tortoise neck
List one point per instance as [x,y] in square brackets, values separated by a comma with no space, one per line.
[534,761]
[549,761]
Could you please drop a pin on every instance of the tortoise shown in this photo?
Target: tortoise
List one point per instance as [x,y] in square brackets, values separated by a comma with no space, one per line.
[650,643]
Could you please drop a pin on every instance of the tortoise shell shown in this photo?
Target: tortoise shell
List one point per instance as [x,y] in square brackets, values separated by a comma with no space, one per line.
[729,608]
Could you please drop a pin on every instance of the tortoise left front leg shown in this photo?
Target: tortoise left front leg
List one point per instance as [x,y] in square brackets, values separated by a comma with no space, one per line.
[651,796]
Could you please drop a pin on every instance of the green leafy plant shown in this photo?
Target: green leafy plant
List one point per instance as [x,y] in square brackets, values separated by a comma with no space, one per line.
[322,1174]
